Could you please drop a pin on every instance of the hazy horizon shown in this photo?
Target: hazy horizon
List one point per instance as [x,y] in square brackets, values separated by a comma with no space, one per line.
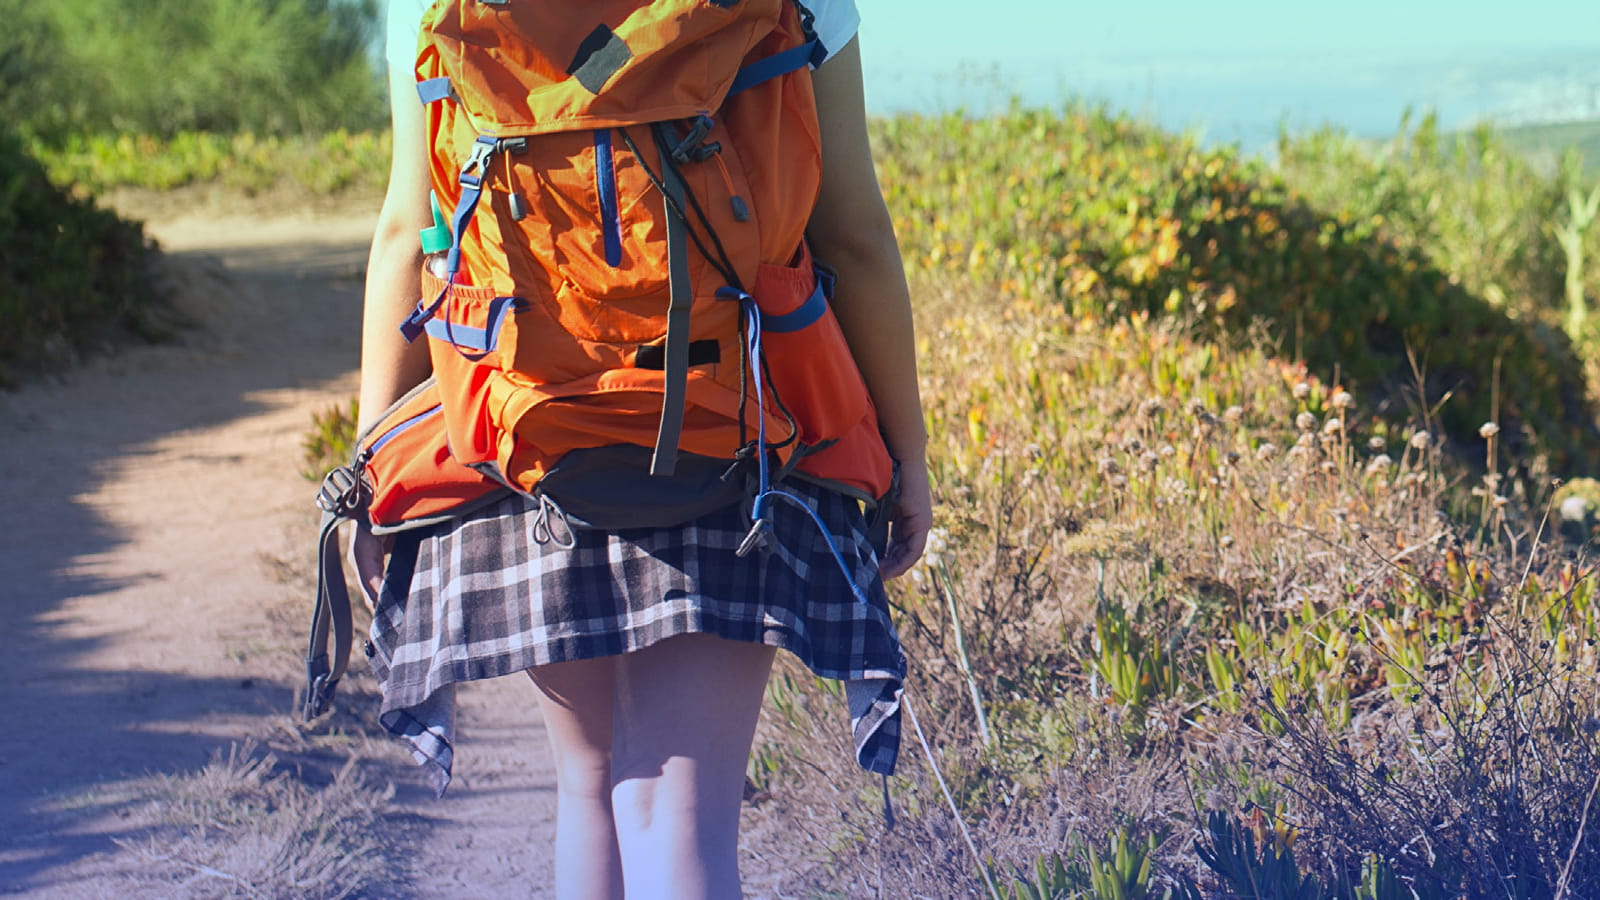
[1233,72]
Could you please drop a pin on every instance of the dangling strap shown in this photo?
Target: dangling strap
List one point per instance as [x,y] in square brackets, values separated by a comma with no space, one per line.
[676,367]
[343,496]
[332,614]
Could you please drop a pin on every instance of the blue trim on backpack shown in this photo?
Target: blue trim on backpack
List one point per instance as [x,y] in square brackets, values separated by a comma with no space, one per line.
[811,53]
[802,316]
[605,178]
[403,427]
[482,340]
[473,173]
[432,90]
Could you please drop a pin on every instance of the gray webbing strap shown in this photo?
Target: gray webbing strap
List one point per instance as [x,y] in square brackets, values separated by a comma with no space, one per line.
[332,614]
[665,459]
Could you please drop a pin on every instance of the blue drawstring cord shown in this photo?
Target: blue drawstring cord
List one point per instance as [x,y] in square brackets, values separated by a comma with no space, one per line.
[764,489]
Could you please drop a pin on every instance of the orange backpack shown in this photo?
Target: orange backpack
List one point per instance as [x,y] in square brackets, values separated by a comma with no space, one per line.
[630,185]
[630,320]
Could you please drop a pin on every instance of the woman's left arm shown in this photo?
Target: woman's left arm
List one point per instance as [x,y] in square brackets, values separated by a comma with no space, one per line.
[851,230]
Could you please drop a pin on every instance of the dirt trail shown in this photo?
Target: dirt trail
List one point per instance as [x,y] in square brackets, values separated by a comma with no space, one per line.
[154,537]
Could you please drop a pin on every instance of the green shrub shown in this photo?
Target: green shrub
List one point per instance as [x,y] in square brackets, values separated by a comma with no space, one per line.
[71,272]
[1107,217]
[330,441]
[163,67]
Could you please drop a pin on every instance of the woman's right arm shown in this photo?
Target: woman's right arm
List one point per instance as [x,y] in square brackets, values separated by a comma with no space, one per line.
[390,366]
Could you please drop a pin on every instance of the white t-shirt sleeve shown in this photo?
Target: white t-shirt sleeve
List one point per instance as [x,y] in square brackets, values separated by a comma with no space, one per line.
[401,31]
[836,22]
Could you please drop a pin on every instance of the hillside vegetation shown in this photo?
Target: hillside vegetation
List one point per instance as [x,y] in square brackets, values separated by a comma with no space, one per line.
[1225,601]
[1408,268]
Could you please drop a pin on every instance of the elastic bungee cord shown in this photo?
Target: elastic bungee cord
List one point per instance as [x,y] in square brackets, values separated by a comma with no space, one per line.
[764,489]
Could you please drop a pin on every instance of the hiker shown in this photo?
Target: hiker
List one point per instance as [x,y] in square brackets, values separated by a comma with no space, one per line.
[650,648]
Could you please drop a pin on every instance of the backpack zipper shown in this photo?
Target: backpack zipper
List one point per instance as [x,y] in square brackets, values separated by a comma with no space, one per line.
[399,428]
[605,178]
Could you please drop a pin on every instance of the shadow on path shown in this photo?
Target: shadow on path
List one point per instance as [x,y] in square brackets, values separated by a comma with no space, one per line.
[142,494]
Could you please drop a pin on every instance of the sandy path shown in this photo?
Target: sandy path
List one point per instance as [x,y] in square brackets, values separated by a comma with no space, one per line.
[154,538]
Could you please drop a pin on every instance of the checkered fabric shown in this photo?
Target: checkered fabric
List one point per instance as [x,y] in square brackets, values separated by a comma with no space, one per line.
[484,596]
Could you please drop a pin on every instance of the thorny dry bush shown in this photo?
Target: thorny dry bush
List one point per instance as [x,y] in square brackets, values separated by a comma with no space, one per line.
[1193,621]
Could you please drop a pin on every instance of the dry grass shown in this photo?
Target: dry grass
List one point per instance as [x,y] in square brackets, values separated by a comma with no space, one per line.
[248,826]
[1208,606]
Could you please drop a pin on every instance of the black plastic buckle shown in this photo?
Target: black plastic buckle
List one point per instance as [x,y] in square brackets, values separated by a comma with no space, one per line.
[689,148]
[342,493]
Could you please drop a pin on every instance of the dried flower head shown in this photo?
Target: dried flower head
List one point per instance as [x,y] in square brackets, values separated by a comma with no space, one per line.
[1376,443]
[1379,463]
[1167,450]
[1343,400]
[1421,440]
[1302,391]
[1332,426]
[1266,452]
[1576,509]
[1108,466]
[1488,430]
[1196,406]
[1305,421]
[1233,415]
[938,540]
[1148,461]
[1151,407]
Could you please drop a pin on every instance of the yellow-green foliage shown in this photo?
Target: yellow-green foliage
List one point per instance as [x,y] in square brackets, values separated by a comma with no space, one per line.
[1469,203]
[1106,218]
[318,165]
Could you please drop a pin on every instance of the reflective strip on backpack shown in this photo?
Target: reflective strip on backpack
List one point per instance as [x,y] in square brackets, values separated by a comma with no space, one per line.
[433,90]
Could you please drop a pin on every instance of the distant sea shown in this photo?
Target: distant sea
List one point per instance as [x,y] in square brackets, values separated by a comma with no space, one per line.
[1244,99]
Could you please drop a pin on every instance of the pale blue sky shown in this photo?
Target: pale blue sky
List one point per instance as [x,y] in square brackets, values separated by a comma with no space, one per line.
[1052,28]
[1233,69]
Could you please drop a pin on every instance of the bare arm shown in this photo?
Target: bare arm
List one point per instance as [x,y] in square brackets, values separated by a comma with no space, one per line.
[851,230]
[390,366]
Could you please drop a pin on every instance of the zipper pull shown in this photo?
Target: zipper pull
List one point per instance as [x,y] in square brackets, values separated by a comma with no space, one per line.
[519,203]
[741,210]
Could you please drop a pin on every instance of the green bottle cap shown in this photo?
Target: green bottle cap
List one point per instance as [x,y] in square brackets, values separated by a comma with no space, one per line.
[436,238]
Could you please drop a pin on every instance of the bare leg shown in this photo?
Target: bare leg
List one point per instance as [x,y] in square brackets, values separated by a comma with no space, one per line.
[576,699]
[650,750]
[686,714]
